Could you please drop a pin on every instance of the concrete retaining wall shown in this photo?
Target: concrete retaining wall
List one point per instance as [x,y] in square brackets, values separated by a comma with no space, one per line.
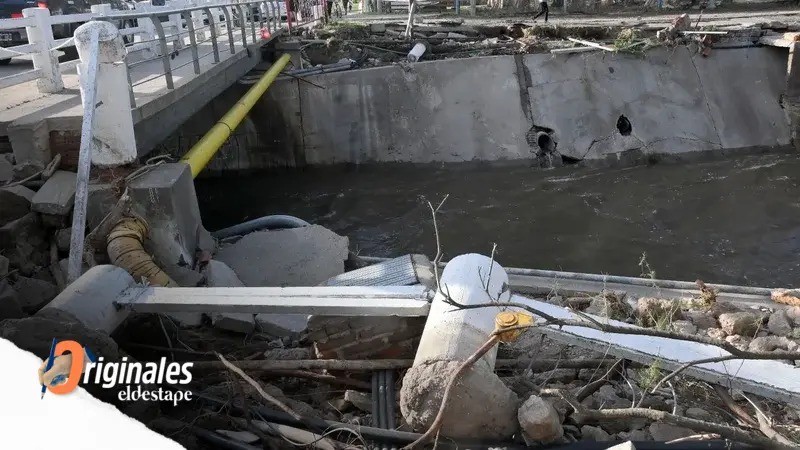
[489,109]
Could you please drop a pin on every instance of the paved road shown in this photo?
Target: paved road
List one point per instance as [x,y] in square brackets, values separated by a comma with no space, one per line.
[16,66]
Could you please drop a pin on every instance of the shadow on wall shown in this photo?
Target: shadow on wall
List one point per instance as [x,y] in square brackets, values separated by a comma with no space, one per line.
[263,140]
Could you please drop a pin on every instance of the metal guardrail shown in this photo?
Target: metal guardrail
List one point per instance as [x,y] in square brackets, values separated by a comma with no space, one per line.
[155,32]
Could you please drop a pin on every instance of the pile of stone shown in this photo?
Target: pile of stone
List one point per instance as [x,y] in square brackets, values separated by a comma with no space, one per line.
[35,216]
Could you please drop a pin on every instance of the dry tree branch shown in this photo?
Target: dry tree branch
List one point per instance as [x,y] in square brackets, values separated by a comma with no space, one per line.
[439,253]
[726,431]
[731,404]
[260,390]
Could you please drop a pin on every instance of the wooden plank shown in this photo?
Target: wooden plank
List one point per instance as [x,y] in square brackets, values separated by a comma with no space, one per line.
[771,379]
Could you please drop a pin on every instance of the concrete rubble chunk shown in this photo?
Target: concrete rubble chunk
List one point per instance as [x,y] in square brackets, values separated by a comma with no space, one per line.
[9,302]
[421,395]
[699,414]
[63,237]
[596,434]
[15,202]
[684,327]
[23,242]
[34,293]
[539,420]
[793,313]
[57,195]
[701,319]
[4,263]
[742,323]
[652,310]
[772,343]
[26,170]
[360,400]
[779,323]
[99,201]
[6,171]
[304,256]
[666,432]
[218,274]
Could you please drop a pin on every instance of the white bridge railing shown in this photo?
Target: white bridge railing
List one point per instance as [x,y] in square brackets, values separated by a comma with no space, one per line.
[150,33]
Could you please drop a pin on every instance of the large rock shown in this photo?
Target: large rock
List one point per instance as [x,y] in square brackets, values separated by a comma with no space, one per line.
[793,313]
[772,343]
[539,420]
[304,256]
[57,195]
[742,323]
[15,202]
[701,319]
[611,305]
[683,327]
[23,242]
[480,407]
[34,293]
[26,170]
[779,323]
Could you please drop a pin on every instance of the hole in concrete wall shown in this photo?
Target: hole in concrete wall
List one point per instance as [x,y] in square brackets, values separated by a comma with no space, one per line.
[624,125]
[545,143]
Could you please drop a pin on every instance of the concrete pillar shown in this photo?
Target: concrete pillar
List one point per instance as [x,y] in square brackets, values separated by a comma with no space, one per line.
[197,21]
[791,98]
[45,59]
[148,33]
[91,298]
[481,405]
[176,20]
[113,142]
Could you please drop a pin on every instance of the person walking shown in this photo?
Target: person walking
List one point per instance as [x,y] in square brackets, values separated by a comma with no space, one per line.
[543,10]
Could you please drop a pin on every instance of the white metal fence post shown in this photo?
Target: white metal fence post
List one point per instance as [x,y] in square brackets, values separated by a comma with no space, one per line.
[113,141]
[45,59]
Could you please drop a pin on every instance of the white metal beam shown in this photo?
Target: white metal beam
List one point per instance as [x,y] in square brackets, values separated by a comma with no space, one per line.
[771,379]
[323,300]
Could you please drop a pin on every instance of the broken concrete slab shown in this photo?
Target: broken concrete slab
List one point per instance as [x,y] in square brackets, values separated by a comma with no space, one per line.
[218,274]
[33,293]
[15,202]
[304,256]
[358,399]
[57,195]
[166,196]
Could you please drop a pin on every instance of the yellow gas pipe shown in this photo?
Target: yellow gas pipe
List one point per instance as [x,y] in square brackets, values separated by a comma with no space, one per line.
[202,152]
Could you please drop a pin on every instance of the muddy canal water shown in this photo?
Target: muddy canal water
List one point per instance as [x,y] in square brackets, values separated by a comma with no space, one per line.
[733,221]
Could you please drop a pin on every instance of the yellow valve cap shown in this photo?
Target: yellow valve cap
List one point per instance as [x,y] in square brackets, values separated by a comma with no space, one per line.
[508,319]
